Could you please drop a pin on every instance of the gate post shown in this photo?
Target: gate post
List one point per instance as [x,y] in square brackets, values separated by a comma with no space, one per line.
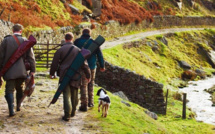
[184,106]
[47,58]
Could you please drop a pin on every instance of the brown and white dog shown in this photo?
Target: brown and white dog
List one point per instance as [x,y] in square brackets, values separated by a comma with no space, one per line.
[104,100]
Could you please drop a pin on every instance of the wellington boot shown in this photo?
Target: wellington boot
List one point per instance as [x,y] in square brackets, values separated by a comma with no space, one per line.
[10,100]
[83,108]
[73,113]
[18,99]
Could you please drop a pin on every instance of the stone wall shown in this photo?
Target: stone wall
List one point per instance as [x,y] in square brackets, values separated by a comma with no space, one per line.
[137,88]
[171,21]
[113,29]
[5,29]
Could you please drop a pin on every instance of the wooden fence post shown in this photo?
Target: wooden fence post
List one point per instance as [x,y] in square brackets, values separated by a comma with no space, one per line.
[184,106]
[47,58]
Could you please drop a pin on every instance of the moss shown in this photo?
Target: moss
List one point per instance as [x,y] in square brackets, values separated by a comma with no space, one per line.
[56,10]
[81,7]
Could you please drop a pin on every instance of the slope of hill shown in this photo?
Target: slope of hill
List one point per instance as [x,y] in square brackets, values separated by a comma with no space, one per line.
[128,118]
[158,57]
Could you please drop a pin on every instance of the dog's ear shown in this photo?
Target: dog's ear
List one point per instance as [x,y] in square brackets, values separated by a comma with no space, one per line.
[99,92]
[104,91]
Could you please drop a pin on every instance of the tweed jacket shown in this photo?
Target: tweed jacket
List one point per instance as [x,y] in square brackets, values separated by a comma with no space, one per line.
[59,56]
[17,70]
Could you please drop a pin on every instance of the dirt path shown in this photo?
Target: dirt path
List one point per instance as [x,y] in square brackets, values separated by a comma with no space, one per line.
[36,118]
[129,38]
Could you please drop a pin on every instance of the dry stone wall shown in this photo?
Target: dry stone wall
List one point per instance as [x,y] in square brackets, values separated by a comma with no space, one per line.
[113,29]
[137,88]
[5,29]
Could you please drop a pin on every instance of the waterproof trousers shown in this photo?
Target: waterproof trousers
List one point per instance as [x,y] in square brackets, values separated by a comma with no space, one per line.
[70,101]
[90,88]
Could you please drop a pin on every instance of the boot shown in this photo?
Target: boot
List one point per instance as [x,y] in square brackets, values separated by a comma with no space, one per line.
[73,113]
[10,100]
[90,103]
[83,108]
[66,116]
[18,99]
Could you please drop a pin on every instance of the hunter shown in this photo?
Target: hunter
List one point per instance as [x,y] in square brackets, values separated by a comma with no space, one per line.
[63,58]
[17,73]
[83,42]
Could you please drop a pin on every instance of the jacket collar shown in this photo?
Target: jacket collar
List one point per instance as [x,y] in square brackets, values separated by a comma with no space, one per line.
[68,43]
[85,36]
[17,34]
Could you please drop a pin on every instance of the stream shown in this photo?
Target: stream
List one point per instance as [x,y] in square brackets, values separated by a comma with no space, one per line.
[200,100]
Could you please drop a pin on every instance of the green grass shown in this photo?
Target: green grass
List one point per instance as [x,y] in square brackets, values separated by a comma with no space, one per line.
[161,66]
[2,89]
[133,120]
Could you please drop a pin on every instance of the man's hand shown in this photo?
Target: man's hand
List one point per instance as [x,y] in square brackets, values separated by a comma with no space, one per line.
[52,76]
[88,80]
[102,69]
[32,73]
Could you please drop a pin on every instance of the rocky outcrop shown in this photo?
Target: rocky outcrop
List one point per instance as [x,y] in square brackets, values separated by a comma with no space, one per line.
[184,65]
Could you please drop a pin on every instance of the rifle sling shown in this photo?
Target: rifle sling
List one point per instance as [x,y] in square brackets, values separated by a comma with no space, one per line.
[85,43]
[67,54]
[16,39]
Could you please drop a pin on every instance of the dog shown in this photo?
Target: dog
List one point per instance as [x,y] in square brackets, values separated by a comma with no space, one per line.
[104,101]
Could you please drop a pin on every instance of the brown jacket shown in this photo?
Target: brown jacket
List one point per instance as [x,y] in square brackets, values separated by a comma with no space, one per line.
[17,70]
[59,56]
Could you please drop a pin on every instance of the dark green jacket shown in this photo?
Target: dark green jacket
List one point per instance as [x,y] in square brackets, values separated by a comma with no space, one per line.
[85,41]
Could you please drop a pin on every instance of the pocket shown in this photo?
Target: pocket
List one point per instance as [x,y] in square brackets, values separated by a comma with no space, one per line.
[76,77]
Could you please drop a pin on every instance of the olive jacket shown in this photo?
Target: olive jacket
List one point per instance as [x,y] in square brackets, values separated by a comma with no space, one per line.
[60,55]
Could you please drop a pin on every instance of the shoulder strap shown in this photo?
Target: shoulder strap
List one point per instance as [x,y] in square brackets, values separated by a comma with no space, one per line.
[85,43]
[17,41]
[67,54]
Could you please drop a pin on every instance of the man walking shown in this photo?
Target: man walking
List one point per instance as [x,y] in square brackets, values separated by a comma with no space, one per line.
[83,42]
[16,74]
[64,58]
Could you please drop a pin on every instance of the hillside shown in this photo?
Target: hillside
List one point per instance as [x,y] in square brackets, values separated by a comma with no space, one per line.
[157,57]
[45,14]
